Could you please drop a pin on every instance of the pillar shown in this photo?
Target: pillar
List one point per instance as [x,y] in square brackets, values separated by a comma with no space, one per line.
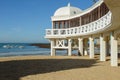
[69,47]
[80,46]
[86,47]
[102,48]
[52,48]
[91,49]
[114,52]
[80,21]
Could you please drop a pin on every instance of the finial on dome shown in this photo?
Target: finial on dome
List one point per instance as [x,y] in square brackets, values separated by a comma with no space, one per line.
[68,4]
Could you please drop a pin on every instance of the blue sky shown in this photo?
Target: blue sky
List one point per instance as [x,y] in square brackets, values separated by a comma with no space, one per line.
[26,20]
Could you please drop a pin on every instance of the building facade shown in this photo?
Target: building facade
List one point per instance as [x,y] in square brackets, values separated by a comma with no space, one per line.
[73,28]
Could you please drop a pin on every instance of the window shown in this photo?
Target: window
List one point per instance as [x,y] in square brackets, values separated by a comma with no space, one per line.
[74,12]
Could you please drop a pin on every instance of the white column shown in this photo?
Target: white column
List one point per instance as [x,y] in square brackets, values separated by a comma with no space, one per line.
[102,48]
[114,52]
[52,48]
[69,47]
[85,48]
[91,45]
[80,46]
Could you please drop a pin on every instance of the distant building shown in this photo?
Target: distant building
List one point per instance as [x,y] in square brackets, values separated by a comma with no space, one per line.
[74,28]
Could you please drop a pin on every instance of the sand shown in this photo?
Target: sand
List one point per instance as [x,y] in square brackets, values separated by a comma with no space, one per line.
[57,68]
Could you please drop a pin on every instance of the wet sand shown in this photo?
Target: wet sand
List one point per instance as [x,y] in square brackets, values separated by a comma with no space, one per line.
[57,68]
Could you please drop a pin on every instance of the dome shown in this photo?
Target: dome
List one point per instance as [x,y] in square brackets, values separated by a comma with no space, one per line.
[67,11]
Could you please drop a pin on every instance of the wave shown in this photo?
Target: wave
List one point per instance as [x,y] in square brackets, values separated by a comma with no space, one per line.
[24,53]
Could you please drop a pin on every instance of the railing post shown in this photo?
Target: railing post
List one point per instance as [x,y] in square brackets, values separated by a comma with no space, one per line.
[59,31]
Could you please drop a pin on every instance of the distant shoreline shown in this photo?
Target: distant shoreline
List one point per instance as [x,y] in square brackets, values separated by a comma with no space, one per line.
[41,45]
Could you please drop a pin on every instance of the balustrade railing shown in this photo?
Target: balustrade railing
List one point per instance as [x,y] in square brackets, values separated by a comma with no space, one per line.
[97,25]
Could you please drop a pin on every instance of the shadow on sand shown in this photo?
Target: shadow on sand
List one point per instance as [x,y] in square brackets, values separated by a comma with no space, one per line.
[118,64]
[14,70]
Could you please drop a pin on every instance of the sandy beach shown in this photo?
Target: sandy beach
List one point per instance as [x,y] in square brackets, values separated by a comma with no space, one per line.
[57,68]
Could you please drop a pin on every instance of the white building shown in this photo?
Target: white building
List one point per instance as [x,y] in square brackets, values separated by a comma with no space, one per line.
[74,28]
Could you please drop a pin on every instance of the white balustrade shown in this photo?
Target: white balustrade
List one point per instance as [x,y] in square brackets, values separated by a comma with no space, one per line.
[99,24]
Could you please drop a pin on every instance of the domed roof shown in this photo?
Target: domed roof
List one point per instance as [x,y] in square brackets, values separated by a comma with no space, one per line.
[67,11]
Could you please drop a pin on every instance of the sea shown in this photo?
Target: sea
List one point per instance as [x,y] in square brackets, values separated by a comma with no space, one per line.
[21,49]
[24,49]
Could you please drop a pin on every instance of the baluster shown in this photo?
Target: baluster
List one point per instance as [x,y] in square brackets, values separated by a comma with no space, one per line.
[54,32]
[90,27]
[86,28]
[82,29]
[68,31]
[79,30]
[65,31]
[96,25]
[74,30]
[59,32]
[103,22]
[48,32]
[71,31]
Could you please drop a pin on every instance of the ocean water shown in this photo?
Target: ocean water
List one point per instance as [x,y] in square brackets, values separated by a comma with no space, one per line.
[20,49]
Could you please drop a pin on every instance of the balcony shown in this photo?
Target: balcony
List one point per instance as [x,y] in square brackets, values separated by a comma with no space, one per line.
[92,28]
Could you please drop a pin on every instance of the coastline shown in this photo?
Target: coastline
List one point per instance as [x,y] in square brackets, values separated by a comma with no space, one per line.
[41,45]
[56,67]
